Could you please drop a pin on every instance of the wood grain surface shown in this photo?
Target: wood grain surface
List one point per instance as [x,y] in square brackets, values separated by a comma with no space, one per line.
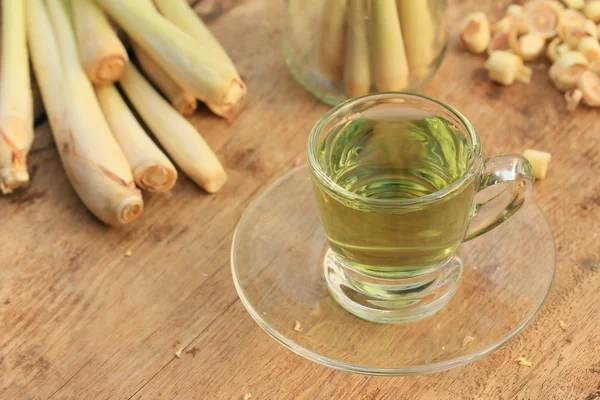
[80,320]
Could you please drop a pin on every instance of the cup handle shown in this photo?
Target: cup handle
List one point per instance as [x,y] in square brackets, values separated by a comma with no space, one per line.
[505,184]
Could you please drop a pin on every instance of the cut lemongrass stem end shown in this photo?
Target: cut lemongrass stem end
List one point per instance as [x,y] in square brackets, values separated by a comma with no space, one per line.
[589,47]
[152,170]
[592,10]
[418,32]
[499,42]
[574,4]
[502,26]
[539,160]
[542,17]
[193,67]
[102,179]
[331,43]
[101,52]
[551,50]
[475,34]
[390,65]
[504,67]
[16,101]
[176,134]
[573,98]
[589,84]
[567,70]
[357,69]
[514,10]
[182,100]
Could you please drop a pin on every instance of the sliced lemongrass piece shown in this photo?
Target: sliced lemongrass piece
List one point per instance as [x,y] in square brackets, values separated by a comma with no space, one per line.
[552,49]
[542,17]
[539,160]
[505,67]
[572,35]
[16,100]
[331,42]
[417,31]
[562,49]
[589,47]
[181,99]
[594,65]
[195,68]
[592,10]
[357,69]
[569,20]
[176,134]
[181,14]
[574,4]
[589,84]
[528,46]
[475,34]
[390,65]
[502,26]
[152,170]
[573,98]
[93,161]
[567,70]
[499,42]
[101,52]
[514,10]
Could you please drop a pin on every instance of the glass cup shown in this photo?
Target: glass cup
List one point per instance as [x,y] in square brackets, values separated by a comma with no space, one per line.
[400,183]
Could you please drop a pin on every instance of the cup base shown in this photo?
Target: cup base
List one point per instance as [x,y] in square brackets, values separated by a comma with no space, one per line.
[392,300]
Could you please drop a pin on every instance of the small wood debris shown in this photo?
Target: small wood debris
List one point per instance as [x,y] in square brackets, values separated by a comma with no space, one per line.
[467,340]
[178,352]
[298,326]
[128,253]
[443,347]
[523,361]
[296,161]
[247,396]
[562,325]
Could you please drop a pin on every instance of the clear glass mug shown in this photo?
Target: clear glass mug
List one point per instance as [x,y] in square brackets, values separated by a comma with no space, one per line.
[338,49]
[400,183]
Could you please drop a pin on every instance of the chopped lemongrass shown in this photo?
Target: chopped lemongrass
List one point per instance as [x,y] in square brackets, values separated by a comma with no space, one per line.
[16,101]
[539,160]
[552,49]
[589,84]
[529,46]
[499,42]
[502,26]
[567,70]
[523,361]
[181,14]
[152,170]
[182,100]
[389,62]
[562,48]
[417,31]
[195,68]
[475,34]
[176,134]
[514,10]
[331,41]
[570,20]
[594,65]
[102,179]
[357,69]
[574,4]
[573,98]
[542,17]
[589,47]
[592,10]
[505,67]
[101,52]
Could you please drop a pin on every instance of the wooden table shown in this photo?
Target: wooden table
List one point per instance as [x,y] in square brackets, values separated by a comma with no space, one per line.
[79,319]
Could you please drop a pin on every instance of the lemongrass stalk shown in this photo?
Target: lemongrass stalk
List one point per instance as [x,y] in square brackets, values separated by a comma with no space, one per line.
[418,33]
[176,134]
[92,159]
[357,69]
[182,100]
[101,52]
[331,43]
[188,63]
[389,63]
[152,170]
[181,14]
[16,100]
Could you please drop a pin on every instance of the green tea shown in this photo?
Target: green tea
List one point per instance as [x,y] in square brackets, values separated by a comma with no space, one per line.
[395,160]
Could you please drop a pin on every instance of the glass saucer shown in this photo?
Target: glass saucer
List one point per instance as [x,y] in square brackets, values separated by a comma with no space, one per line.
[277,265]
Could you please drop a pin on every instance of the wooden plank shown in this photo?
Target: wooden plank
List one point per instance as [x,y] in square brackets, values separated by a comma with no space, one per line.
[78,319]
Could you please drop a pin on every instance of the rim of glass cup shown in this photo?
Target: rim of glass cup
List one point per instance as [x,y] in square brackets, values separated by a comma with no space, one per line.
[345,107]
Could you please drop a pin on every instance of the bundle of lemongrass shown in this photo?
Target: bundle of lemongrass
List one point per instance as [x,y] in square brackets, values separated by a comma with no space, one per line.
[78,58]
[383,43]
[566,33]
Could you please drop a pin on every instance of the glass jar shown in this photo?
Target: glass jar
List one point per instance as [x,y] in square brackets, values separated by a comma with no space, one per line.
[338,49]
